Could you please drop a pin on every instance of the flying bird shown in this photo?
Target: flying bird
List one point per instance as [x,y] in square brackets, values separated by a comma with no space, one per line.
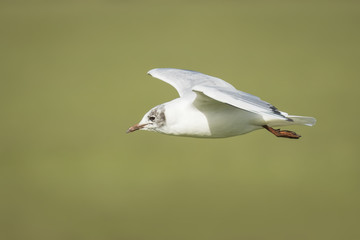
[209,107]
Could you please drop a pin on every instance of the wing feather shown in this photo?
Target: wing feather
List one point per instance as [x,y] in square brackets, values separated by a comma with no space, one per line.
[184,80]
[188,82]
[241,100]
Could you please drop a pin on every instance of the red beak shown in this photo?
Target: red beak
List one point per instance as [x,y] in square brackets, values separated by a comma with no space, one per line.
[135,127]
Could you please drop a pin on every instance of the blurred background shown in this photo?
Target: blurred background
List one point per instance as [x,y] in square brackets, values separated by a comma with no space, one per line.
[73,79]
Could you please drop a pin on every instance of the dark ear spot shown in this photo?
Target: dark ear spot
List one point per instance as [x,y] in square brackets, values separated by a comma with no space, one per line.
[162,116]
[157,115]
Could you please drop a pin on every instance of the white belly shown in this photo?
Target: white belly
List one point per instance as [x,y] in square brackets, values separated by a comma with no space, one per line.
[212,121]
[232,121]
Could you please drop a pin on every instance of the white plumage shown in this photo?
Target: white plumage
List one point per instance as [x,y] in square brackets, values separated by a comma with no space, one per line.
[211,107]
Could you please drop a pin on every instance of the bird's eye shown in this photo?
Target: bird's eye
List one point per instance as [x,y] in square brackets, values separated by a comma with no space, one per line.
[152,118]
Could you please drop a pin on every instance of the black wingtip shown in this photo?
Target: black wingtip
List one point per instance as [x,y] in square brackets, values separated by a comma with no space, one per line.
[277,112]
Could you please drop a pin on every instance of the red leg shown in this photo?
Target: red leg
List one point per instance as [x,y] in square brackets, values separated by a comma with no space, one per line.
[282,133]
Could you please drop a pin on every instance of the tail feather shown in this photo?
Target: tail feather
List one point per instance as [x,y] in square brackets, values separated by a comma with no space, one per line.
[302,120]
[291,120]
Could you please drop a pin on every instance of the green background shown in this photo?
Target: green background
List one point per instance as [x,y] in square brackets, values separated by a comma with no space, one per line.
[73,79]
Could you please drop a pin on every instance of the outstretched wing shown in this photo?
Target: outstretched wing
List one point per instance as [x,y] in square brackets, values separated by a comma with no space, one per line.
[184,80]
[240,100]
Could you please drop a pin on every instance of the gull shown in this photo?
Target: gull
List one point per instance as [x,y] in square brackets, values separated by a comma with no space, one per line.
[209,107]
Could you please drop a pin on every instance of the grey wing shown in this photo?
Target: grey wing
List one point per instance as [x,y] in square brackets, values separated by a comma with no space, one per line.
[184,80]
[241,100]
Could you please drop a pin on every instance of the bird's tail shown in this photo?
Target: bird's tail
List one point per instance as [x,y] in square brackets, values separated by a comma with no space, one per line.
[302,120]
[292,120]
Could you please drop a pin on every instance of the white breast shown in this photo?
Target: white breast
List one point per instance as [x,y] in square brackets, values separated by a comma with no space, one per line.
[208,120]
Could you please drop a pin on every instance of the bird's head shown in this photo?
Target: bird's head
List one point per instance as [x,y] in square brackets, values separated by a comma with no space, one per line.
[153,120]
